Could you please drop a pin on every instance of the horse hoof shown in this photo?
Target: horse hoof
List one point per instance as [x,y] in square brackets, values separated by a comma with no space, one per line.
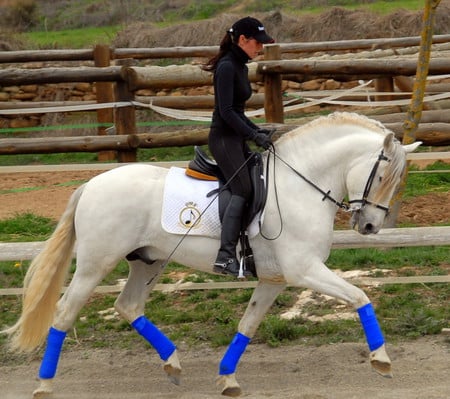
[384,369]
[172,368]
[380,362]
[230,385]
[44,390]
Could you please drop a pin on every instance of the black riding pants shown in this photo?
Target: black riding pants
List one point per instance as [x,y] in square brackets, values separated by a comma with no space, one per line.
[230,153]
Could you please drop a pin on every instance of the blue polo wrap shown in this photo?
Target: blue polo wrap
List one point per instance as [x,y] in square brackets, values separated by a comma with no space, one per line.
[233,354]
[154,336]
[50,360]
[372,329]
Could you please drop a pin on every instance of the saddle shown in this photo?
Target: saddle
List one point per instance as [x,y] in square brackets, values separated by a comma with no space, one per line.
[204,168]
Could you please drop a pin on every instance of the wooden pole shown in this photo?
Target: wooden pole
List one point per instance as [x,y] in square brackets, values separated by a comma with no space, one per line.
[384,84]
[273,101]
[415,110]
[125,117]
[104,94]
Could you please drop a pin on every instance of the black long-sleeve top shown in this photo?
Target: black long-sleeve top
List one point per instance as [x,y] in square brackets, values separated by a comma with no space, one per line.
[231,90]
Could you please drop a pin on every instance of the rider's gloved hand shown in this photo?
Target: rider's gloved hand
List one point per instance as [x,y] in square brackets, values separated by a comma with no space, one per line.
[267,132]
[262,140]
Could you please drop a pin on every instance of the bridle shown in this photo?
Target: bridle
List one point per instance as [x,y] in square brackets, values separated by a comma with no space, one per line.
[341,204]
[364,200]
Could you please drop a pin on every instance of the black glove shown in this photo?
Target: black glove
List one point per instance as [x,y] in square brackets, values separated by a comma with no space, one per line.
[267,132]
[262,140]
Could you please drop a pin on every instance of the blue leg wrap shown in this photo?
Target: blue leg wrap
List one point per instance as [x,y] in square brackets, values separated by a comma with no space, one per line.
[154,336]
[233,354]
[50,360]
[372,329]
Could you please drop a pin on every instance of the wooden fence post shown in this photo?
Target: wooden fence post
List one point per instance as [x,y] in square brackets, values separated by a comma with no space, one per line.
[414,113]
[125,117]
[273,101]
[104,94]
[384,84]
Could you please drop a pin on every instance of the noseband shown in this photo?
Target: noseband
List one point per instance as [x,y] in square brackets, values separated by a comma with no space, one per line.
[364,200]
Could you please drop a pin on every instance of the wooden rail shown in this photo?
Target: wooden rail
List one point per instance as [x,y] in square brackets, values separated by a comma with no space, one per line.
[189,286]
[207,51]
[394,237]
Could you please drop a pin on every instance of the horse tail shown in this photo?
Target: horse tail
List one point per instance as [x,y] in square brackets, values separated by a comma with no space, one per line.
[43,282]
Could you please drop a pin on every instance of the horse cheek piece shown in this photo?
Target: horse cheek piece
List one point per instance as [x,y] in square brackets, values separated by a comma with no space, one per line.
[154,336]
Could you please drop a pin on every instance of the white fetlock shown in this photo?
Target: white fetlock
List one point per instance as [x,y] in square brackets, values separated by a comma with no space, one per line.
[380,362]
[230,385]
[172,368]
[45,388]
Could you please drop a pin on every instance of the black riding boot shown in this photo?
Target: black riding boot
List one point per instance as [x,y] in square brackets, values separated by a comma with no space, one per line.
[226,262]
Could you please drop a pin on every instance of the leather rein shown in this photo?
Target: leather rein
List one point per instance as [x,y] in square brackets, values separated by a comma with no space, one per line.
[341,204]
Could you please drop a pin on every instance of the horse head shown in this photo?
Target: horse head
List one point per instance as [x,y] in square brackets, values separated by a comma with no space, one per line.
[379,176]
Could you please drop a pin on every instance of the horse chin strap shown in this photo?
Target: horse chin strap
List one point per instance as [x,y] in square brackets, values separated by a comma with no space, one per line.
[364,200]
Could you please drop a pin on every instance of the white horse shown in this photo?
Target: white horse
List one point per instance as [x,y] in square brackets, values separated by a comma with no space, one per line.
[119,212]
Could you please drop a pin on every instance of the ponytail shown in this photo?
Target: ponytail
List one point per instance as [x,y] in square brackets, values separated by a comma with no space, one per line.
[225,46]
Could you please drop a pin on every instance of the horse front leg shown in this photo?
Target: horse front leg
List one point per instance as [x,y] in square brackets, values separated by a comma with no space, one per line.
[319,278]
[130,305]
[262,298]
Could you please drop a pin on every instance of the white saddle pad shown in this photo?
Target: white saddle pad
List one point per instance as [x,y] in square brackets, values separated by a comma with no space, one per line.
[186,206]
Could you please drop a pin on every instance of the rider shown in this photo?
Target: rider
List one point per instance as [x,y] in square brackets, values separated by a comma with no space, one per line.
[230,128]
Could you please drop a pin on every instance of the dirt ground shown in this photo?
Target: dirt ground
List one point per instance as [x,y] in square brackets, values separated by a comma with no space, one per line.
[46,194]
[339,371]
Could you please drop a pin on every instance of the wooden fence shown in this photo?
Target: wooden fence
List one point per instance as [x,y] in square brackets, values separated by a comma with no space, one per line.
[119,84]
[386,238]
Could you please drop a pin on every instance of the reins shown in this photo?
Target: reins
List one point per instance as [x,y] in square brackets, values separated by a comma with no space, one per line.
[326,195]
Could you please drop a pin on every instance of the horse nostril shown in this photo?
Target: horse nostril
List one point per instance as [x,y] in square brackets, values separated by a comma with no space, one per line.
[369,227]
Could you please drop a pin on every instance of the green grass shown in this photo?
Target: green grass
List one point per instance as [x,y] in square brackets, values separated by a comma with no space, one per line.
[381,7]
[423,183]
[87,37]
[71,38]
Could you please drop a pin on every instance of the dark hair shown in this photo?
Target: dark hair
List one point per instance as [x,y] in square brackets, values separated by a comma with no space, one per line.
[225,46]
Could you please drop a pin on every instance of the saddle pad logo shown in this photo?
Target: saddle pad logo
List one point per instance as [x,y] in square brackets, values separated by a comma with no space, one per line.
[190,216]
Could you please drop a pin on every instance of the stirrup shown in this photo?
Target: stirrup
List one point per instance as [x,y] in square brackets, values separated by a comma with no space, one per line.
[232,267]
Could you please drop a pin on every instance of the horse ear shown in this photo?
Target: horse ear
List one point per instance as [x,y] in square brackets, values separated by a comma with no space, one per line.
[411,147]
[389,143]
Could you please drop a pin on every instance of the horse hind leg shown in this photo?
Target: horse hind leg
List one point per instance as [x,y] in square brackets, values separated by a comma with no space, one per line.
[319,278]
[130,305]
[84,281]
